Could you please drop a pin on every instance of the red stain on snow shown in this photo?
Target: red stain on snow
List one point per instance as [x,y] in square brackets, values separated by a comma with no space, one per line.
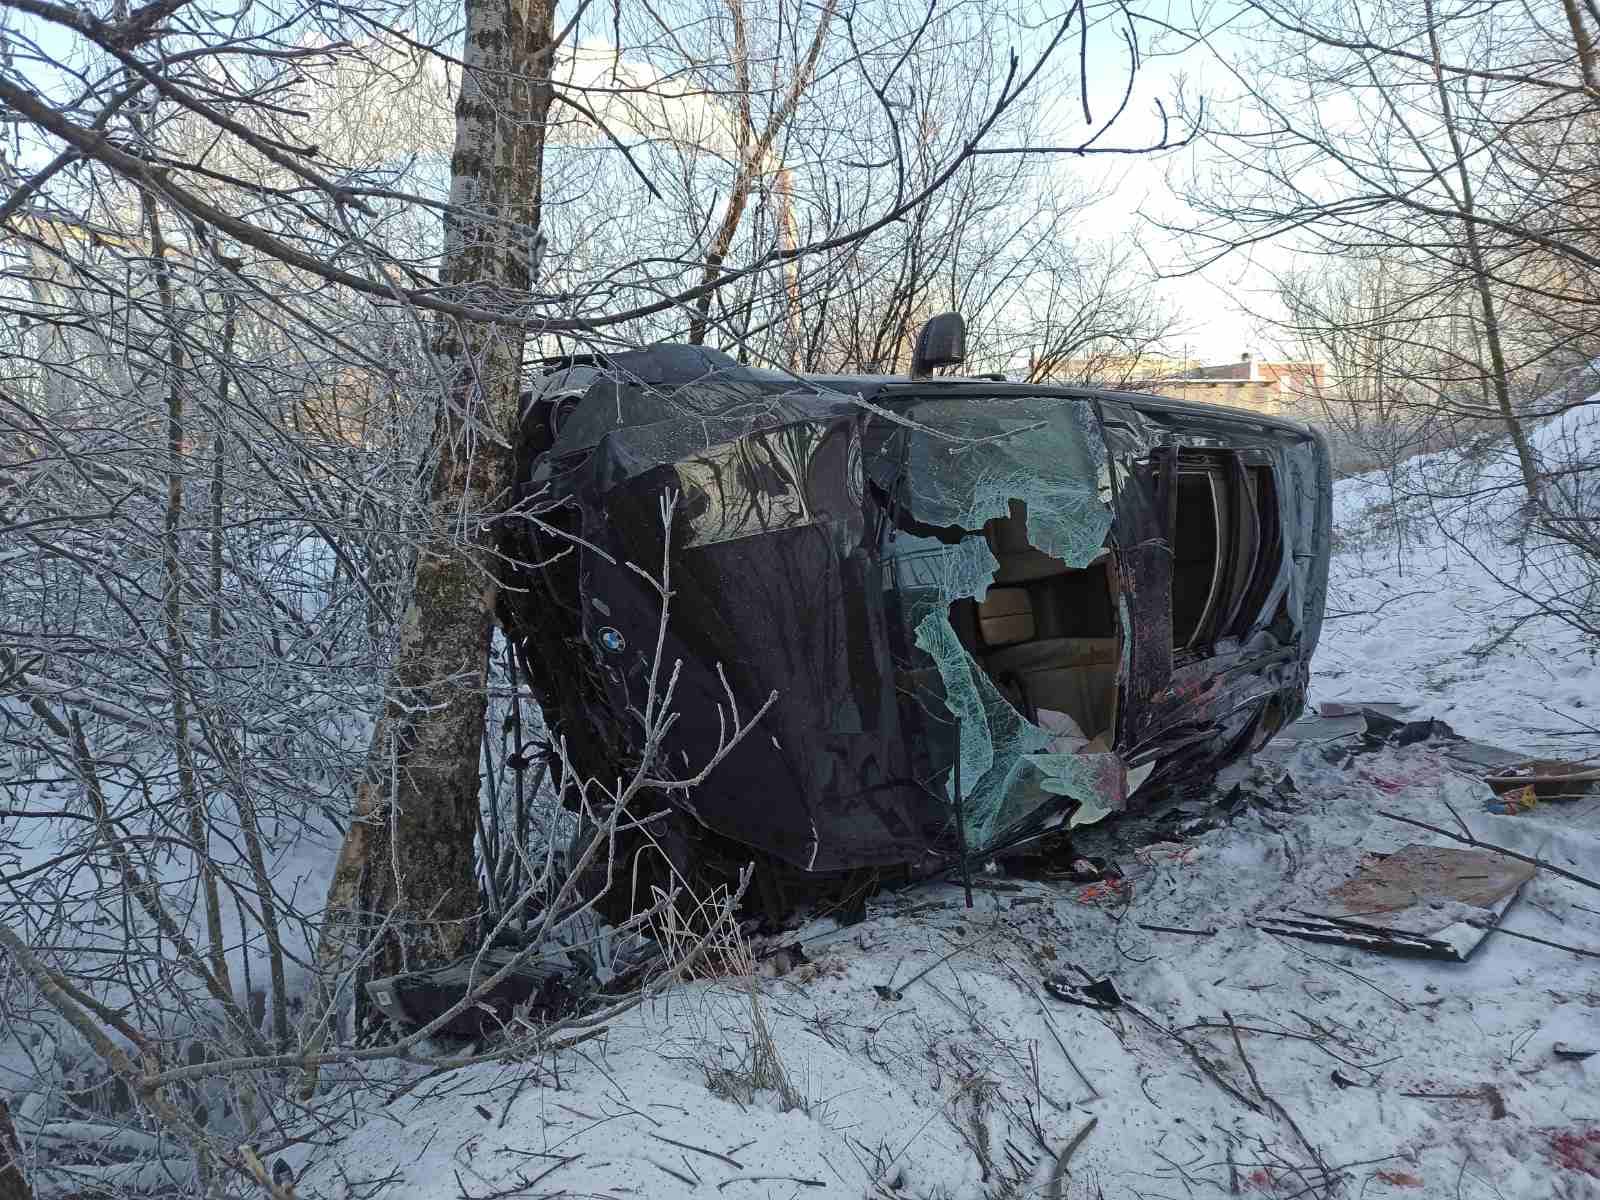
[1400,1179]
[1577,1150]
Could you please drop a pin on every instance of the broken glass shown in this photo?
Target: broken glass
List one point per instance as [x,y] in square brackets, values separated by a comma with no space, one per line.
[954,465]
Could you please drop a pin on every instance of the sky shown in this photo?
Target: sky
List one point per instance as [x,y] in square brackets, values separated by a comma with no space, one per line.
[1213,321]
[1214,303]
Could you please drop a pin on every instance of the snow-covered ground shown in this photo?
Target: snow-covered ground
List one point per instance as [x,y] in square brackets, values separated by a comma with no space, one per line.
[975,1078]
[1425,604]
[1242,1063]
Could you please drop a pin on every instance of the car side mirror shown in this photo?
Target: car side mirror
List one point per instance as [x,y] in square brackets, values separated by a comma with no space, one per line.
[941,342]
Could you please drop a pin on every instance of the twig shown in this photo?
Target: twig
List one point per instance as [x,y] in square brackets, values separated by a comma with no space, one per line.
[1290,1034]
[1528,937]
[554,1167]
[678,1175]
[1255,1081]
[1233,1169]
[1058,1172]
[1051,1026]
[1395,1000]
[732,1162]
[773,1179]
[1196,1057]
[512,1099]
[1175,929]
[902,989]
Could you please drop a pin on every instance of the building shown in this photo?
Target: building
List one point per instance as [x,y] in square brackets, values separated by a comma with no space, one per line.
[1265,387]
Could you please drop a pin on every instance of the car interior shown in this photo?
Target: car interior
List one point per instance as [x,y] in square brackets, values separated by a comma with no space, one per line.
[1045,633]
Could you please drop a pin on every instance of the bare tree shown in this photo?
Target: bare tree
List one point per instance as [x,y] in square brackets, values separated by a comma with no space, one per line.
[13,1184]
[409,851]
[1442,147]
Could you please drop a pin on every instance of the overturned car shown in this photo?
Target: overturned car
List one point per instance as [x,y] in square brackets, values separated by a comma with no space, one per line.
[988,609]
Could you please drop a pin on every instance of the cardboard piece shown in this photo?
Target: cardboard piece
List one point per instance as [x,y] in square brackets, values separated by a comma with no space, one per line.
[1433,901]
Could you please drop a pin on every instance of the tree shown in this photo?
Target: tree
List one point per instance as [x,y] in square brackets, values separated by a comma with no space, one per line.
[1445,145]
[13,1184]
[409,854]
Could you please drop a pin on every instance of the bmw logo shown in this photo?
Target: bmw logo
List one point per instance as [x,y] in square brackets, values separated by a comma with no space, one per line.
[612,641]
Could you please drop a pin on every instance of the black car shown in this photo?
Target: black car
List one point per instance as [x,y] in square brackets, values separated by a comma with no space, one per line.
[987,608]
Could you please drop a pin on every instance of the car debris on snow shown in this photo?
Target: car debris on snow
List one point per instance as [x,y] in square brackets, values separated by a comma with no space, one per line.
[1440,902]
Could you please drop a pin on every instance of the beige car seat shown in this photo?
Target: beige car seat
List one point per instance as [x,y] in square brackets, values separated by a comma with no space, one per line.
[1076,676]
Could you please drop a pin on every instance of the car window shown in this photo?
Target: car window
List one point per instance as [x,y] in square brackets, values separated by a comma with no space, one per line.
[1226,543]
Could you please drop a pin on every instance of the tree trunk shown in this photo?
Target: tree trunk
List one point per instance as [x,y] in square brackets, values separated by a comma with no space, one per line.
[13,1185]
[407,860]
[1499,375]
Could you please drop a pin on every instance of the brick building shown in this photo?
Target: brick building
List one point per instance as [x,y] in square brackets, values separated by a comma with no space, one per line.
[1266,387]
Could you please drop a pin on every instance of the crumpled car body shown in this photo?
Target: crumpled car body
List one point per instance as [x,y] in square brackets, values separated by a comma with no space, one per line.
[1029,605]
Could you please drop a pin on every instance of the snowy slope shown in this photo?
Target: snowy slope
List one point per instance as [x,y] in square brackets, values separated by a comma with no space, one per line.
[975,1079]
[912,1097]
[1430,605]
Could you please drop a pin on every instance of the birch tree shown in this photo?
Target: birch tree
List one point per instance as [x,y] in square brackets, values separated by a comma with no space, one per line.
[409,854]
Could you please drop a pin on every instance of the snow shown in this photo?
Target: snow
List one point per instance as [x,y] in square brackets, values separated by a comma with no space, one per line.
[1397,1077]
[896,1090]
[1439,620]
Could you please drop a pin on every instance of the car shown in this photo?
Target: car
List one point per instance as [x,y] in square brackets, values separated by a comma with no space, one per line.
[987,609]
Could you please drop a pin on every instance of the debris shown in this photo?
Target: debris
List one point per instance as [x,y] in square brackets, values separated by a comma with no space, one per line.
[544,986]
[1548,778]
[1372,725]
[1187,820]
[1488,1092]
[1089,870]
[1366,727]
[1341,1080]
[1164,852]
[1097,993]
[1341,932]
[1442,903]
[1574,1053]
[1322,729]
[1385,730]
[1510,803]
[1391,709]
[1113,890]
[1430,873]
[1480,758]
